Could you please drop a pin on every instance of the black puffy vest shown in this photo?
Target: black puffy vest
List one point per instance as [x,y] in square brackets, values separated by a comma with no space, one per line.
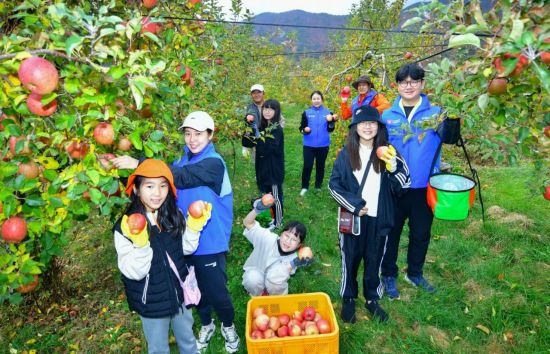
[159,294]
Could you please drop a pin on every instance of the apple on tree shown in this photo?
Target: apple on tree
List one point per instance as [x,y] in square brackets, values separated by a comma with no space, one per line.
[24,150]
[497,86]
[34,103]
[27,288]
[14,229]
[124,144]
[104,133]
[408,55]
[77,150]
[38,75]
[149,3]
[28,169]
[547,193]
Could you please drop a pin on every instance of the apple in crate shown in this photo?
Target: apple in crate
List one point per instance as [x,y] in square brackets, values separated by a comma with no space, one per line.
[283,319]
[256,334]
[297,316]
[311,329]
[282,331]
[295,330]
[262,322]
[258,311]
[323,326]
[269,333]
[308,313]
[274,323]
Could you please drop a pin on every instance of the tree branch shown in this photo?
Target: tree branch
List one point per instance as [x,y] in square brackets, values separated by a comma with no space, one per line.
[364,58]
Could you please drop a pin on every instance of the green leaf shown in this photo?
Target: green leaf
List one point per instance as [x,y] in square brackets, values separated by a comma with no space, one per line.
[117,72]
[411,21]
[72,42]
[106,32]
[517,29]
[96,196]
[135,138]
[156,135]
[543,75]
[138,96]
[482,101]
[34,200]
[464,39]
[94,176]
[72,85]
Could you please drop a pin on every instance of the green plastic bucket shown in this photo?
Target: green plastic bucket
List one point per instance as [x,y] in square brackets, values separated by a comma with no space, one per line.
[450,195]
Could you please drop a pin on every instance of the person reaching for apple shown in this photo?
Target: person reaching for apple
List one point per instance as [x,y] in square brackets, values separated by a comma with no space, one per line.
[151,241]
[367,97]
[274,258]
[367,178]
[316,125]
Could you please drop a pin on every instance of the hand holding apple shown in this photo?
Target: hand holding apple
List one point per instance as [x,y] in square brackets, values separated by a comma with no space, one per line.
[264,203]
[388,155]
[198,214]
[307,130]
[134,227]
[250,118]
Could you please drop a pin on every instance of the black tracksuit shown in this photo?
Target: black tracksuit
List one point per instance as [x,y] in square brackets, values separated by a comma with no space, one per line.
[369,245]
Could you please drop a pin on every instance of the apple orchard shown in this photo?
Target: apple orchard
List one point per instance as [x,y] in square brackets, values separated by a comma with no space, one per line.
[84,81]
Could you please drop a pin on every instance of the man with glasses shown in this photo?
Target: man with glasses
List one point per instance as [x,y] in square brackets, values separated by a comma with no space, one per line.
[274,258]
[418,147]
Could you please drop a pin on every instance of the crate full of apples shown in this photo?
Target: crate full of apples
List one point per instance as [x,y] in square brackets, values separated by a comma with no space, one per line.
[295,323]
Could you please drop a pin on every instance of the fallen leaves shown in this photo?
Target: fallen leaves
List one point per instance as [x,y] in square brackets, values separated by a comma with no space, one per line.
[483,329]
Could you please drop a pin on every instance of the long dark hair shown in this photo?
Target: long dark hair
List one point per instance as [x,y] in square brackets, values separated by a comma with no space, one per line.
[169,217]
[352,145]
[276,106]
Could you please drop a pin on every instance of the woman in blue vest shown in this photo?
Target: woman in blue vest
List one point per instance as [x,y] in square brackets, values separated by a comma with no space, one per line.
[152,260]
[317,124]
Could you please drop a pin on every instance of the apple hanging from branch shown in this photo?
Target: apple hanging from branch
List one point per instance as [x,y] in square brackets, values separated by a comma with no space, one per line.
[38,75]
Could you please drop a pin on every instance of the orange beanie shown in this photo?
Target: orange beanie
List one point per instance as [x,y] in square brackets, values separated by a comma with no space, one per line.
[152,168]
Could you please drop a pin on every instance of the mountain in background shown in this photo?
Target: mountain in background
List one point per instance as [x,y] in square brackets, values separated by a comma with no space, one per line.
[317,39]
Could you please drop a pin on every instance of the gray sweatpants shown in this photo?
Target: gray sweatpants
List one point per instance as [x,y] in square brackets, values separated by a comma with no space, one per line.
[156,332]
[275,280]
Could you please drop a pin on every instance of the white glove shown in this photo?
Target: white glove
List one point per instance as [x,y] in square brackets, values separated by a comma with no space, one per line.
[246,152]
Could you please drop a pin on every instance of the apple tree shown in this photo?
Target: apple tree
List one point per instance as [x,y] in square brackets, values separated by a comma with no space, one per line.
[82,81]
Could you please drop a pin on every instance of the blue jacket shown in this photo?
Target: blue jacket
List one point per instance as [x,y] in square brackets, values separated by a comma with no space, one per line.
[315,118]
[159,294]
[215,235]
[418,149]
[366,101]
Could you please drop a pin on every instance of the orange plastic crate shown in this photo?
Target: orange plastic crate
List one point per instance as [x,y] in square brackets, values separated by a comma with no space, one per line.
[276,305]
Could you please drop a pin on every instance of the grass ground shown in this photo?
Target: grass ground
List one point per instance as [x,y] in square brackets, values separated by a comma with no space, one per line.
[492,277]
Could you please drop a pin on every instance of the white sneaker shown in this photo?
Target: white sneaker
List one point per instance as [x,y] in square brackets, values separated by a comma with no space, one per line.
[231,338]
[303,192]
[205,335]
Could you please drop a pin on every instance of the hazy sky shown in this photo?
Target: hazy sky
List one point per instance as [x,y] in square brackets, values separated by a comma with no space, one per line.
[334,7]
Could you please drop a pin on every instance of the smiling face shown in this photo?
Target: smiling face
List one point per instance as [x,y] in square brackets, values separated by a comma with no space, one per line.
[367,131]
[268,113]
[363,88]
[316,100]
[195,140]
[153,192]
[410,90]
[257,97]
[289,241]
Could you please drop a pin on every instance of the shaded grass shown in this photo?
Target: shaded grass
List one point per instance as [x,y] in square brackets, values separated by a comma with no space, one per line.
[494,274]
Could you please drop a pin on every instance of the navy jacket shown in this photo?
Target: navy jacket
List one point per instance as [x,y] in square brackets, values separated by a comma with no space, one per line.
[270,157]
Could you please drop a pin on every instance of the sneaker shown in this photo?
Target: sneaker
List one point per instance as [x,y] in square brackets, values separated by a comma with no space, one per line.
[205,335]
[390,287]
[420,282]
[348,310]
[303,192]
[231,338]
[376,311]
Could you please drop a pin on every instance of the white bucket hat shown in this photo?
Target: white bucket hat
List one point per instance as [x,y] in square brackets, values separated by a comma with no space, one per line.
[257,87]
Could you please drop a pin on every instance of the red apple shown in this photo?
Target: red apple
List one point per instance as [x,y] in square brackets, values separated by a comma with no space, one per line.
[311,329]
[274,323]
[38,75]
[104,133]
[191,82]
[268,199]
[27,288]
[29,169]
[34,104]
[282,332]
[187,75]
[297,315]
[305,252]
[269,333]
[295,331]
[121,107]
[258,311]
[317,317]
[284,318]
[408,55]
[393,84]
[307,129]
[218,61]
[349,78]
[257,334]
[146,112]
[346,92]
[309,312]
[147,26]
[149,3]
[262,322]
[136,223]
[124,144]
[193,2]
[497,86]
[196,209]
[381,151]
[250,118]
[77,150]
[26,150]
[323,326]
[547,193]
[545,57]
[14,229]
[105,161]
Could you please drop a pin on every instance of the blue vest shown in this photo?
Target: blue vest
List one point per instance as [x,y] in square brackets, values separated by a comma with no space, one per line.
[215,235]
[159,294]
[316,120]
[418,150]
[366,101]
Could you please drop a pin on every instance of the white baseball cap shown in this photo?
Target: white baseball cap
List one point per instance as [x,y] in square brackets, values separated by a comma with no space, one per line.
[199,121]
[257,87]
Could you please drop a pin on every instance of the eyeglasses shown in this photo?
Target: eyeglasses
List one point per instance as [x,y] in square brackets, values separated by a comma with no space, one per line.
[287,235]
[413,83]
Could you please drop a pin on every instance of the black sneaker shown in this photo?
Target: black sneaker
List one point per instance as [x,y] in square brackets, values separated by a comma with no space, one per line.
[348,310]
[376,311]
